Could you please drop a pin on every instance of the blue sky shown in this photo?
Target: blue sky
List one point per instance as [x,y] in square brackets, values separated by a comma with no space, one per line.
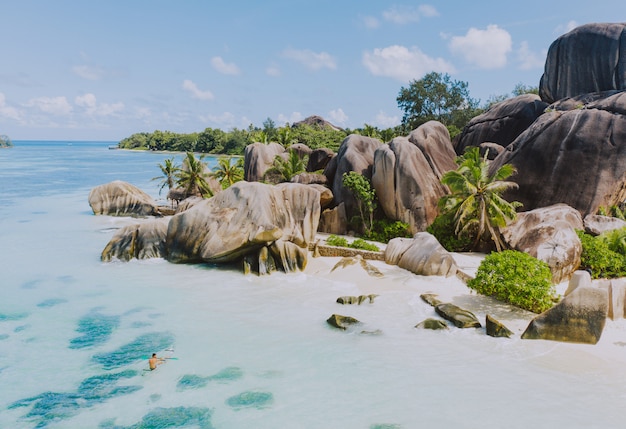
[103,70]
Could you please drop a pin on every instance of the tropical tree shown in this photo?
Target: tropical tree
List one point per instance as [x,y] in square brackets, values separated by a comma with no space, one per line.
[192,177]
[365,196]
[285,169]
[170,171]
[227,173]
[436,97]
[475,198]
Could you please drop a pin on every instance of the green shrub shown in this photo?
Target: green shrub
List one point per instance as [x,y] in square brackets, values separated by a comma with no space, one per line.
[443,228]
[516,278]
[334,240]
[598,256]
[359,243]
[384,230]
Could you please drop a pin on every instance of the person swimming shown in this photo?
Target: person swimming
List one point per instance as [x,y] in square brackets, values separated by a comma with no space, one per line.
[154,361]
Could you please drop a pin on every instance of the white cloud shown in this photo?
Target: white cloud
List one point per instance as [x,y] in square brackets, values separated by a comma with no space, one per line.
[310,59]
[486,49]
[293,117]
[337,117]
[195,92]
[58,106]
[370,22]
[273,70]
[528,59]
[225,68]
[7,111]
[384,121]
[227,120]
[405,15]
[403,64]
[92,108]
[427,10]
[89,72]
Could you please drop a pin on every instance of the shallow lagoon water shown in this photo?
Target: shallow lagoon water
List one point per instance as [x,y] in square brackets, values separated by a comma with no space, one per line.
[248,351]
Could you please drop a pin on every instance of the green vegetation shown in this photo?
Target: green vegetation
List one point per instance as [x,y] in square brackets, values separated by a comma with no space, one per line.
[516,278]
[436,97]
[604,255]
[192,177]
[228,173]
[384,230]
[444,230]
[359,243]
[5,141]
[475,198]
[284,169]
[617,211]
[365,196]
[168,178]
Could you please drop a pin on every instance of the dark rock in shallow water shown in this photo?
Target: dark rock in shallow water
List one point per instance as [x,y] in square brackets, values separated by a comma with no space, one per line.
[579,318]
[434,324]
[251,399]
[459,317]
[96,329]
[341,322]
[431,299]
[162,418]
[136,350]
[496,329]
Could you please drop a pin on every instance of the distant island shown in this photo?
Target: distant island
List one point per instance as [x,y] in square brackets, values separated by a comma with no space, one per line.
[5,141]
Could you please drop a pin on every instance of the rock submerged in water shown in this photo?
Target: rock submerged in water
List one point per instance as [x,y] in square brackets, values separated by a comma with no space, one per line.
[341,322]
[141,241]
[459,317]
[434,324]
[356,299]
[496,329]
[579,318]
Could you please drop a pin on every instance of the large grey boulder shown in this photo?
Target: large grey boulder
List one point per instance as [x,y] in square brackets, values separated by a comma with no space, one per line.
[421,254]
[319,159]
[502,122]
[579,318]
[433,139]
[407,187]
[590,58]
[141,241]
[597,224]
[244,219]
[258,158]
[356,153]
[574,157]
[548,234]
[120,198]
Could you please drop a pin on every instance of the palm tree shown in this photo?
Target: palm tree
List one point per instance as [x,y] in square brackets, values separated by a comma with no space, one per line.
[193,176]
[475,197]
[169,170]
[227,173]
[287,168]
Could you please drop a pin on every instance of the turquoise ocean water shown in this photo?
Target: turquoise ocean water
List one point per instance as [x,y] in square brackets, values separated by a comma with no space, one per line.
[248,352]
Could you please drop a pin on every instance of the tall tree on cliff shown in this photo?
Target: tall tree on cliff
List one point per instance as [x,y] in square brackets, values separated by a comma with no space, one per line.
[193,176]
[436,97]
[168,178]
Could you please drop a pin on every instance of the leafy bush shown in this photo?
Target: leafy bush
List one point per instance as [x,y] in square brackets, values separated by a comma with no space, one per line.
[598,256]
[516,278]
[334,240]
[359,243]
[384,230]
[443,228]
